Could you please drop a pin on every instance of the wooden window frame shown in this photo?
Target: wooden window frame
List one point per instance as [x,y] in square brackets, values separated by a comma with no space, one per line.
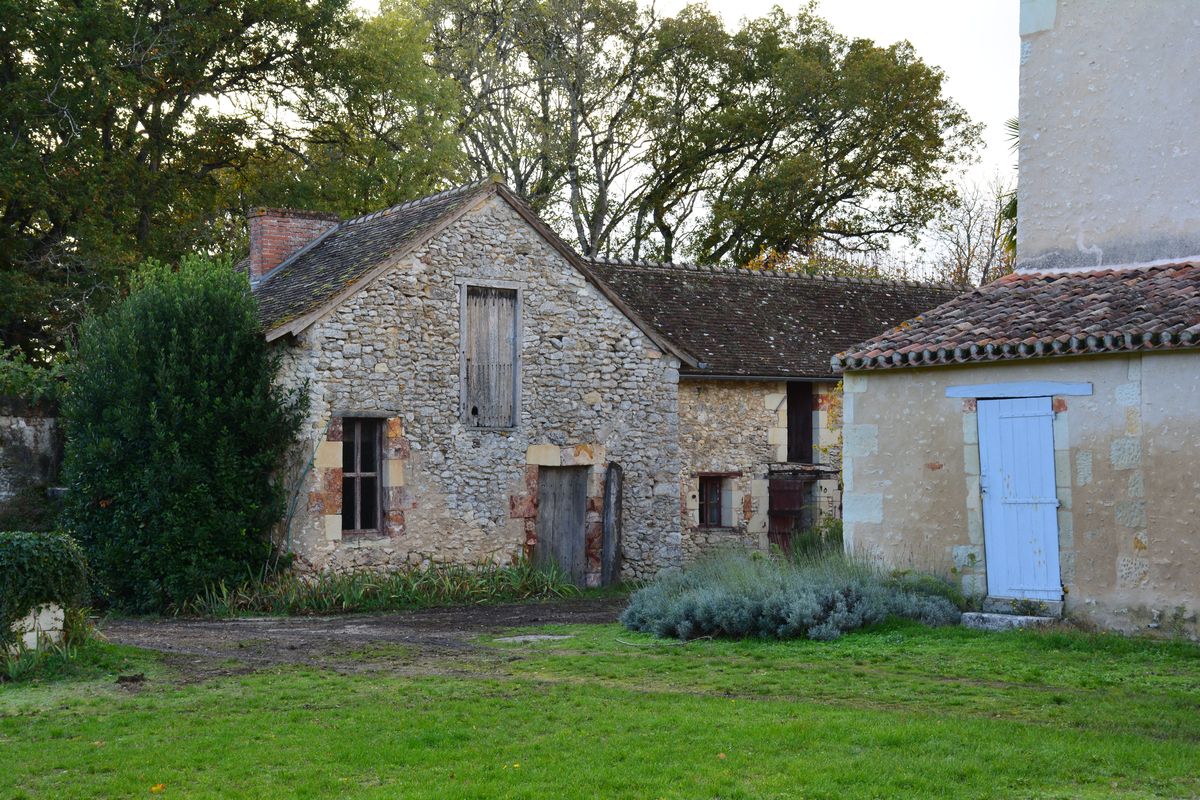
[706,508]
[464,285]
[355,440]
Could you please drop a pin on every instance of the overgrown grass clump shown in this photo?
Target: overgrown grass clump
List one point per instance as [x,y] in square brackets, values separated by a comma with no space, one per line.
[373,590]
[740,595]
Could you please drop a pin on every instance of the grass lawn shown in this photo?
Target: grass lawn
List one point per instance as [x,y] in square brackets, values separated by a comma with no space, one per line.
[896,711]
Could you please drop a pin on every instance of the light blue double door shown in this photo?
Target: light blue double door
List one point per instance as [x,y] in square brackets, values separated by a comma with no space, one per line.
[1020,503]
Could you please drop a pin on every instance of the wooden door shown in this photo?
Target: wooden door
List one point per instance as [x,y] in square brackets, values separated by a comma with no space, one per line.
[561,521]
[1020,504]
[610,545]
[790,510]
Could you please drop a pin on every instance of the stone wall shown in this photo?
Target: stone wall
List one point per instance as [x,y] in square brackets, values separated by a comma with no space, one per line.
[594,389]
[1125,473]
[30,457]
[739,429]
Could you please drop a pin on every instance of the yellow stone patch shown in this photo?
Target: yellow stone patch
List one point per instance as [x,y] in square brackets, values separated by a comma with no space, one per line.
[393,472]
[544,455]
[329,455]
[333,527]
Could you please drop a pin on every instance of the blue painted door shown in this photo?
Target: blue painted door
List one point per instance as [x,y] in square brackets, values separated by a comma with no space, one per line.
[1020,504]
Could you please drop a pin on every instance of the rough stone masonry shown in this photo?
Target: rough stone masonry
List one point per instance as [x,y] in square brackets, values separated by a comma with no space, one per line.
[593,390]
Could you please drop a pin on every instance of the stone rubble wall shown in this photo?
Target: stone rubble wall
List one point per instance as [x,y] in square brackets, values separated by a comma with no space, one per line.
[591,383]
[740,427]
[30,455]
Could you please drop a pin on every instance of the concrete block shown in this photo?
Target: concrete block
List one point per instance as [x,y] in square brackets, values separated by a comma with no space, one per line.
[1062,468]
[393,472]
[1135,368]
[329,455]
[1061,434]
[544,455]
[847,474]
[862,507]
[854,383]
[1126,453]
[773,401]
[1066,530]
[975,527]
[760,488]
[860,440]
[1064,498]
[847,409]
[971,459]
[776,436]
[970,423]
[974,585]
[1137,484]
[974,500]
[333,527]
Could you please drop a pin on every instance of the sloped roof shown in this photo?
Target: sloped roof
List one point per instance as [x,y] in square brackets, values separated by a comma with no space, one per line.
[754,323]
[312,276]
[1038,315]
[335,264]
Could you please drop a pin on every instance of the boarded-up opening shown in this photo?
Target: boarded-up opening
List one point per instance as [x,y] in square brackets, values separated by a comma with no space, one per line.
[491,358]
[792,509]
[800,422]
[561,521]
[610,549]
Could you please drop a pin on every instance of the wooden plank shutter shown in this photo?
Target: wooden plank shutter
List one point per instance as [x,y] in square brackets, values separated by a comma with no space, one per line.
[490,351]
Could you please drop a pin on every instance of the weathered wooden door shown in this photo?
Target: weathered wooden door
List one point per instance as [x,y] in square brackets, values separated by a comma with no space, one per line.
[561,521]
[1020,504]
[610,545]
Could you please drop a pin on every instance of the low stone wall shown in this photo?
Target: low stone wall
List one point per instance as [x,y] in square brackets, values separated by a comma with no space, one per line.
[31,446]
[42,624]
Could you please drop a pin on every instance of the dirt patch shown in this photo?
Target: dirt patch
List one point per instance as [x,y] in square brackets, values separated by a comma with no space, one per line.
[406,642]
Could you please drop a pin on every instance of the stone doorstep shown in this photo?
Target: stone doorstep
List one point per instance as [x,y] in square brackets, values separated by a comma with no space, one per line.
[1005,605]
[985,621]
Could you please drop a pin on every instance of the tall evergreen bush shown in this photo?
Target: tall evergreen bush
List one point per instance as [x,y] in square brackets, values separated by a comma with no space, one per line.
[175,429]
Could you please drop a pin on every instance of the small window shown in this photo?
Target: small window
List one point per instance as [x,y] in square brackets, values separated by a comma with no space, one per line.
[491,357]
[361,469]
[711,505]
[800,422]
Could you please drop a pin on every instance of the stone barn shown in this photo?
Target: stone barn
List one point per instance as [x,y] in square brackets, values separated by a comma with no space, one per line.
[1040,437]
[476,392]
[479,390]
[760,413]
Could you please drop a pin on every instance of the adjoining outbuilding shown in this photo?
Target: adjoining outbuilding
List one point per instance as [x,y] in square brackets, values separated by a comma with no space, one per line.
[1040,436]
[480,391]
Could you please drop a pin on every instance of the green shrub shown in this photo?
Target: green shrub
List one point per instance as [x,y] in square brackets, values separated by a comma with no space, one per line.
[372,590]
[739,595]
[38,568]
[23,379]
[175,430]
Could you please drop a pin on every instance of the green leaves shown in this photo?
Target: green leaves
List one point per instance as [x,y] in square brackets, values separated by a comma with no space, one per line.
[38,568]
[175,431]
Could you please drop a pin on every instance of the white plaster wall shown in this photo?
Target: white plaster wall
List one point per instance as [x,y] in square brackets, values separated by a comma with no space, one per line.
[1127,469]
[1109,161]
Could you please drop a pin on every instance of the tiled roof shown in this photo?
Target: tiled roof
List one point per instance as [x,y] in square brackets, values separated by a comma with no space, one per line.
[1037,315]
[313,276]
[741,322]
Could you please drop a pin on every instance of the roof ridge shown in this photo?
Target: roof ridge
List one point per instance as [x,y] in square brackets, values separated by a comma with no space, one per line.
[463,188]
[734,269]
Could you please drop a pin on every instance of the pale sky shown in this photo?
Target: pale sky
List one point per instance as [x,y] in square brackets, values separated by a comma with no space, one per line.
[975,42]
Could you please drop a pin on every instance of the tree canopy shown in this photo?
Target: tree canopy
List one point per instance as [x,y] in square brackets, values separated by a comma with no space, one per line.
[133,129]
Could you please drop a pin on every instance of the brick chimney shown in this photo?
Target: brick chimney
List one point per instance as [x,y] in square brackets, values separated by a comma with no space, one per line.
[276,233]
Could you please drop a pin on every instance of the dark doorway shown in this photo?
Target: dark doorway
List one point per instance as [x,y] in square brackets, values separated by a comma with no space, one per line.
[800,422]
[561,521]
